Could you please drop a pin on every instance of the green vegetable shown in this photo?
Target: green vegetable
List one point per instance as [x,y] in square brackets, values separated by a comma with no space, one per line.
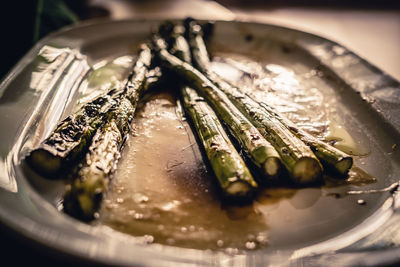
[230,170]
[298,159]
[83,197]
[72,137]
[332,158]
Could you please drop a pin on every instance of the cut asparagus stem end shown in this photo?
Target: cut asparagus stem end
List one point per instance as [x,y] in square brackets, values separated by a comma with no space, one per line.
[86,205]
[238,189]
[272,167]
[44,162]
[83,198]
[307,170]
[80,207]
[344,165]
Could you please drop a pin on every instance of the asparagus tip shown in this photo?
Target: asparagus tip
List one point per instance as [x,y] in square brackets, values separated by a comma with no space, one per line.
[307,170]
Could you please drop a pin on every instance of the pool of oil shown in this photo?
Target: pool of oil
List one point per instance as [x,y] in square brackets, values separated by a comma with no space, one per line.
[163,191]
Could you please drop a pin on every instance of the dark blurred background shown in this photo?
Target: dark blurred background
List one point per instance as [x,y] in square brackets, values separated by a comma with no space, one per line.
[370,28]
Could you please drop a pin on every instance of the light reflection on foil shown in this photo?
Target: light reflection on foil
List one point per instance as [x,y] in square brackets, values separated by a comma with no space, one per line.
[280,87]
[7,181]
[52,62]
[106,75]
[58,74]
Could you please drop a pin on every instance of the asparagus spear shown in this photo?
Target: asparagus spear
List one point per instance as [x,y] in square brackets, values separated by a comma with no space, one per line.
[71,138]
[233,176]
[194,36]
[176,43]
[83,197]
[206,28]
[332,158]
[256,147]
[137,80]
[298,159]
[231,172]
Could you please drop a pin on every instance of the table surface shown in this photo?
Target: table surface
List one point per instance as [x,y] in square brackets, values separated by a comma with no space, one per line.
[374,34]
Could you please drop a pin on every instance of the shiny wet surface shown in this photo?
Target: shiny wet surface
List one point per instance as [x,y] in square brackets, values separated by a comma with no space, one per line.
[163,192]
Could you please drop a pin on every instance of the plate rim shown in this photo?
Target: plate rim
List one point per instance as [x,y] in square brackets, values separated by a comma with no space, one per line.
[31,54]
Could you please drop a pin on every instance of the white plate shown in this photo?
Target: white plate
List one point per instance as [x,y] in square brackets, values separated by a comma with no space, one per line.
[30,108]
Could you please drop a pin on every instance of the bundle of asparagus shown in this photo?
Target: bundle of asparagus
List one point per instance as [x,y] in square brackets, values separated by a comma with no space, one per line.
[256,147]
[95,134]
[229,168]
[72,137]
[332,158]
[298,158]
[100,129]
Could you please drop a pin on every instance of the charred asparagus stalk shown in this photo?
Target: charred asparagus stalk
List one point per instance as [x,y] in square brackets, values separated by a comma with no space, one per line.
[231,172]
[256,147]
[83,197]
[198,49]
[137,80]
[298,159]
[176,44]
[332,158]
[71,138]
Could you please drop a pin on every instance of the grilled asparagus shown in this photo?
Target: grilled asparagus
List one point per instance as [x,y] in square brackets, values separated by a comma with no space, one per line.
[176,44]
[72,137]
[298,159]
[83,197]
[257,148]
[231,172]
[332,158]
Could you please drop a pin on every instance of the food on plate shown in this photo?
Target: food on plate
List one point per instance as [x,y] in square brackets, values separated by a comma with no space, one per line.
[229,168]
[83,196]
[257,148]
[247,143]
[71,138]
[332,158]
[296,156]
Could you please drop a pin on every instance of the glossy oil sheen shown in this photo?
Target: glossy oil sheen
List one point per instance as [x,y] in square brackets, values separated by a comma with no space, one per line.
[365,104]
[163,192]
